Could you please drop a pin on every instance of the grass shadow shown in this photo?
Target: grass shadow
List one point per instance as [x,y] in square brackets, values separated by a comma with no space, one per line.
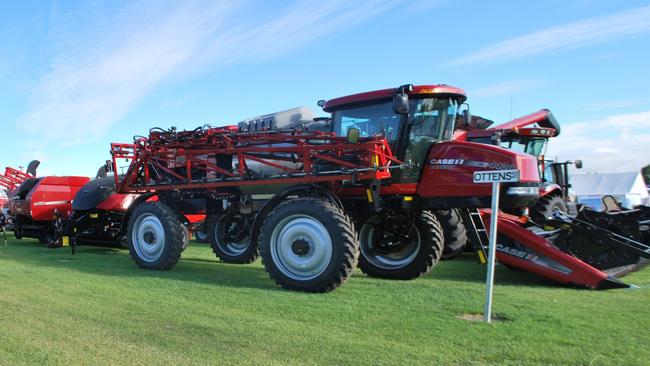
[465,268]
[117,263]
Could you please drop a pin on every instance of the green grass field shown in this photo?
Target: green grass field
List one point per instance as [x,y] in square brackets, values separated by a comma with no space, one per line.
[97,307]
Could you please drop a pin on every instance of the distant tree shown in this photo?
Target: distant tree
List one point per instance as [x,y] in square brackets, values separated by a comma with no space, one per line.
[645,171]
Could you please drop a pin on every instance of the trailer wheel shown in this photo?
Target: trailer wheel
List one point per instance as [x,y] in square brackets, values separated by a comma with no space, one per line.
[454,232]
[545,207]
[308,244]
[230,239]
[154,236]
[395,247]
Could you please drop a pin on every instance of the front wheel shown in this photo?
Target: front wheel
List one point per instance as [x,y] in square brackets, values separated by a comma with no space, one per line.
[154,236]
[394,246]
[308,244]
[454,231]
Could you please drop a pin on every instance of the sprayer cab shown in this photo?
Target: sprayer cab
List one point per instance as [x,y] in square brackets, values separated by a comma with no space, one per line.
[418,123]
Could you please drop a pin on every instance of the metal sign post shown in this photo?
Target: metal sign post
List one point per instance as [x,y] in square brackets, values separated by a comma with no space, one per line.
[495,177]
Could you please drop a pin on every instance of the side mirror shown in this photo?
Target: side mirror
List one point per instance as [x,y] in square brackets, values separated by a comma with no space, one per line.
[401,104]
[578,164]
[401,99]
[353,135]
[467,117]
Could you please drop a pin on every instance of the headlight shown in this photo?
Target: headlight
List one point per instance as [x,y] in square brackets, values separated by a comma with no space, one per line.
[523,191]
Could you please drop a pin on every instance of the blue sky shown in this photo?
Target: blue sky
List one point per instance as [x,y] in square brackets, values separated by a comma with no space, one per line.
[77,75]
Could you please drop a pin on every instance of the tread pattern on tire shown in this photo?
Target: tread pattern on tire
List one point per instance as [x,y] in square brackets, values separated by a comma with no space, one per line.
[454,232]
[348,246]
[171,225]
[543,208]
[427,258]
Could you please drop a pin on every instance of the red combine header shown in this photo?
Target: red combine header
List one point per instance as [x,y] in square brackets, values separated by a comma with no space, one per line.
[587,248]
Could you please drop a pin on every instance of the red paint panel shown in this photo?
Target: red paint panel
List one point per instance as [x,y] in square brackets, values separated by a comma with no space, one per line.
[50,194]
[440,89]
[581,273]
[117,202]
[444,180]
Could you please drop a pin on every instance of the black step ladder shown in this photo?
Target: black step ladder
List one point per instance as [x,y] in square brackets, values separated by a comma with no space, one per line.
[478,236]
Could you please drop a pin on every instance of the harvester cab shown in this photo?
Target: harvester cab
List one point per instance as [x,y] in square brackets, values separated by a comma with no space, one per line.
[530,134]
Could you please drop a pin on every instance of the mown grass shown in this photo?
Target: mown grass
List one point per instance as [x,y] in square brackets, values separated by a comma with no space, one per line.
[96,307]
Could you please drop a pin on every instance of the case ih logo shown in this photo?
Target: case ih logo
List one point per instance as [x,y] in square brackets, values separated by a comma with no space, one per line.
[446,161]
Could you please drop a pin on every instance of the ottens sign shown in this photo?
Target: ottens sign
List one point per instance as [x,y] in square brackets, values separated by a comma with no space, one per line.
[494,176]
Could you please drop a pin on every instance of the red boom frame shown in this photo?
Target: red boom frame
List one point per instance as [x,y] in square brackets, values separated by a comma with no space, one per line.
[368,159]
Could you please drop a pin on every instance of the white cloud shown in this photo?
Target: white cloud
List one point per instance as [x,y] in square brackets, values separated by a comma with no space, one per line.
[504,88]
[103,65]
[617,143]
[627,23]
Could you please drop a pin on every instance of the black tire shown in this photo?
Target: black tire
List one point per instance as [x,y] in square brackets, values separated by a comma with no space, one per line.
[162,222]
[454,232]
[185,232]
[322,223]
[232,247]
[18,234]
[421,260]
[546,206]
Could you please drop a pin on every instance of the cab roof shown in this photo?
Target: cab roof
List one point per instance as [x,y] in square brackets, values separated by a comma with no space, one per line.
[439,90]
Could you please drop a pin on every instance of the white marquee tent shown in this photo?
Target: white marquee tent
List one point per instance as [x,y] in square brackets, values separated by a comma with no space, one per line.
[628,188]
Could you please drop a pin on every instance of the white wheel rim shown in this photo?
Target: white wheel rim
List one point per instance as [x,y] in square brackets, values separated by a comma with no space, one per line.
[148,237]
[393,260]
[301,247]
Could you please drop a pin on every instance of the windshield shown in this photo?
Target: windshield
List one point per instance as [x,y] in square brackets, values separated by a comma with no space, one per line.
[430,119]
[533,147]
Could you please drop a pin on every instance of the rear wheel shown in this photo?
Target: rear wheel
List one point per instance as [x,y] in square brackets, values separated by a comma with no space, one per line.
[154,236]
[201,235]
[308,244]
[454,232]
[545,207]
[230,239]
[398,247]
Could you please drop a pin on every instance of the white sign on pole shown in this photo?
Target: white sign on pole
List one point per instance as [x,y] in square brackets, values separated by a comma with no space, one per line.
[495,177]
